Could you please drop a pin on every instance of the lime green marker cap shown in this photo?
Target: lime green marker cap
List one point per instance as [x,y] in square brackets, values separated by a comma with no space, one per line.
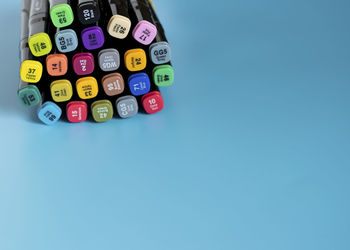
[29,96]
[163,75]
[61,15]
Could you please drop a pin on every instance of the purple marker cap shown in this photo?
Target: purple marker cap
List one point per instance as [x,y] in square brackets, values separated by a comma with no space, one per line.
[93,38]
[144,32]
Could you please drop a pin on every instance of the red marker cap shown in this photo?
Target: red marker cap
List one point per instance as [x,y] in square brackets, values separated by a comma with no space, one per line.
[83,64]
[153,102]
[77,111]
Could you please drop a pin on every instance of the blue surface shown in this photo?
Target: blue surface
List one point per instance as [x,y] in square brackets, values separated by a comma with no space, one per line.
[251,152]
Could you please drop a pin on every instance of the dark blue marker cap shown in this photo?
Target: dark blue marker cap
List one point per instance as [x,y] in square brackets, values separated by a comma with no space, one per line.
[139,84]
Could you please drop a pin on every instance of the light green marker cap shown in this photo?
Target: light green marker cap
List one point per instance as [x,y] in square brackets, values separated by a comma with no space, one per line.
[163,75]
[61,15]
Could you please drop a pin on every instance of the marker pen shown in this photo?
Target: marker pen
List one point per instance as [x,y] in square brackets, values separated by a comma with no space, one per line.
[159,51]
[102,110]
[61,13]
[119,24]
[49,112]
[66,40]
[153,102]
[77,111]
[127,106]
[39,41]
[88,11]
[145,31]
[93,38]
[163,75]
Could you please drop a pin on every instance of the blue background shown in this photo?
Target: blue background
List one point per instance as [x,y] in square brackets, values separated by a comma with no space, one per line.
[252,151]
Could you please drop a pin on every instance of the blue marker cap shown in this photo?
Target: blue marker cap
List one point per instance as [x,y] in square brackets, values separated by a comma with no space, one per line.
[139,84]
[66,40]
[49,113]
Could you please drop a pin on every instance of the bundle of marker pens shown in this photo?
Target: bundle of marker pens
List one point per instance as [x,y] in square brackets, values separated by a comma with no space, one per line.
[101,58]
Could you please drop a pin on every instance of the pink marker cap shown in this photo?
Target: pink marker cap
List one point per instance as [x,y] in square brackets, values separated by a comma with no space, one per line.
[83,64]
[144,32]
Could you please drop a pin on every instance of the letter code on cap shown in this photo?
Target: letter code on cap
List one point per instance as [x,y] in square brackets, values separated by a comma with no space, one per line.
[87,88]
[113,84]
[102,111]
[153,102]
[61,90]
[40,44]
[135,60]
[31,71]
[127,106]
[77,111]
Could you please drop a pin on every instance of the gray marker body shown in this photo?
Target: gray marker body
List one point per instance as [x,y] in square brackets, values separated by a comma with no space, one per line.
[54,3]
[38,17]
[127,106]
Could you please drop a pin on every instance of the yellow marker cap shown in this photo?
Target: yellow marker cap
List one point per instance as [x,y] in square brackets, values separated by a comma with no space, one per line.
[87,87]
[61,90]
[40,44]
[135,60]
[31,71]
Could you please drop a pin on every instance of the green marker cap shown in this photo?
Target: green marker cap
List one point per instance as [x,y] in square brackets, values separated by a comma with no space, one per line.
[29,96]
[102,111]
[163,75]
[61,15]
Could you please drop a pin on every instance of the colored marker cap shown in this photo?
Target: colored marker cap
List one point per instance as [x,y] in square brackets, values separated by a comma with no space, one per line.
[127,106]
[139,84]
[49,113]
[62,15]
[113,84]
[163,75]
[57,64]
[109,59]
[87,87]
[93,38]
[83,64]
[135,60]
[66,40]
[102,111]
[144,32]
[119,26]
[160,53]
[77,111]
[61,90]
[153,102]
[29,96]
[88,12]
[31,71]
[40,44]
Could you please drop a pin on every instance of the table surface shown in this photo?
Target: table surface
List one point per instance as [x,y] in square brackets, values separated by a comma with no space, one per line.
[251,152]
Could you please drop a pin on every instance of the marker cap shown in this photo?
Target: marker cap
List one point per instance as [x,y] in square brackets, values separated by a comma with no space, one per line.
[109,59]
[57,64]
[144,32]
[31,71]
[62,15]
[77,111]
[93,38]
[83,64]
[29,96]
[113,84]
[88,12]
[40,44]
[87,88]
[160,52]
[66,40]
[127,106]
[61,90]
[102,111]
[163,75]
[119,26]
[49,113]
[139,84]
[153,102]
[135,60]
